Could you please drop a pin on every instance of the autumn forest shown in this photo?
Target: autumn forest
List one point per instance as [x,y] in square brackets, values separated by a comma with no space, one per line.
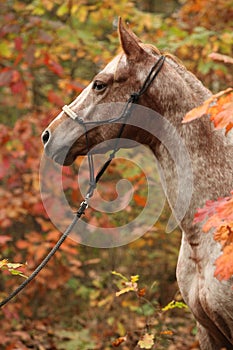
[89,297]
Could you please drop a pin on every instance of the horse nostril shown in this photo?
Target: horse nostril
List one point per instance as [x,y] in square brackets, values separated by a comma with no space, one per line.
[45,137]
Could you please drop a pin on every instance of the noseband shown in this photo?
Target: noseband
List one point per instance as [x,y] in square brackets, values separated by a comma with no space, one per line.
[133,99]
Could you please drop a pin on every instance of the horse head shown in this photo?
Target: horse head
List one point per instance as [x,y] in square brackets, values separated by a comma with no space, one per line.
[65,139]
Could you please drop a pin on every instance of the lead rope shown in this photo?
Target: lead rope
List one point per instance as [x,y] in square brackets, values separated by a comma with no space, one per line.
[83,206]
[130,104]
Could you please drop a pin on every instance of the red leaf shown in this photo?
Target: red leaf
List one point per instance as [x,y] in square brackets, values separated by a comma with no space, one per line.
[18,87]
[55,99]
[208,210]
[4,168]
[18,43]
[15,76]
[5,76]
[53,66]
[4,239]
[4,134]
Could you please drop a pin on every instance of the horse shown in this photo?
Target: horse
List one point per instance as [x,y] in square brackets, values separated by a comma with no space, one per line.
[173,93]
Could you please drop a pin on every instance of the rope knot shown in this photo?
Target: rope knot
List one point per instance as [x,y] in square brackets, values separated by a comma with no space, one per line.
[135,97]
[80,121]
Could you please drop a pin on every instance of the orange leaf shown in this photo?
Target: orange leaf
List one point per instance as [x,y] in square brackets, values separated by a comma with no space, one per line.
[197,112]
[224,234]
[219,107]
[224,264]
[219,215]
[167,332]
[142,292]
[219,57]
[140,200]
[117,342]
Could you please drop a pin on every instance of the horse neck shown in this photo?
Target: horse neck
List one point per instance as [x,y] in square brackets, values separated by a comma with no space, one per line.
[207,149]
[176,92]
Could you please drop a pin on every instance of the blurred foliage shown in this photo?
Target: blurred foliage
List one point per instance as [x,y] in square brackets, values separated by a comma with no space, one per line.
[49,50]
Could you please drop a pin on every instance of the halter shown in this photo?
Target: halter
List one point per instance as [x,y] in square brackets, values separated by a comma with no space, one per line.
[125,114]
[134,97]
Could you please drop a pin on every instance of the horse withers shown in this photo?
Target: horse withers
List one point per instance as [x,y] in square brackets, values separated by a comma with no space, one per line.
[172,94]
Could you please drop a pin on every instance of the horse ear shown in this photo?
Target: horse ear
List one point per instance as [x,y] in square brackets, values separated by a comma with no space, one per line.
[129,41]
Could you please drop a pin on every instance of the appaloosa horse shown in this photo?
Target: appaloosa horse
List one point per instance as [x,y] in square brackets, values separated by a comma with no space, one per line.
[173,93]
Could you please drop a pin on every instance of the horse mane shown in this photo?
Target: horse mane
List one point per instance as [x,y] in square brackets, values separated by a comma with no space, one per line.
[188,77]
[155,51]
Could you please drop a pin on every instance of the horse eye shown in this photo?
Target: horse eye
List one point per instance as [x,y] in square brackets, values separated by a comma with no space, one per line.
[99,85]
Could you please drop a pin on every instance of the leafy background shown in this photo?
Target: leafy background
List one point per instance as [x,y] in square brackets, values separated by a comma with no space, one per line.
[49,51]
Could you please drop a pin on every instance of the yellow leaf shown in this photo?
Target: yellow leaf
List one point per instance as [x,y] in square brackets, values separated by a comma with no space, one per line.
[62,10]
[124,290]
[147,341]
[3,263]
[120,275]
[5,50]
[175,304]
[135,278]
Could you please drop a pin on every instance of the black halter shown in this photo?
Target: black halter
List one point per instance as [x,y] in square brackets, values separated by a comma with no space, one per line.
[93,180]
[133,99]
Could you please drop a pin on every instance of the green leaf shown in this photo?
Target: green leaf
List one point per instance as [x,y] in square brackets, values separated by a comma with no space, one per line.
[38,10]
[146,310]
[205,67]
[120,275]
[17,273]
[175,304]
[62,10]
[71,340]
